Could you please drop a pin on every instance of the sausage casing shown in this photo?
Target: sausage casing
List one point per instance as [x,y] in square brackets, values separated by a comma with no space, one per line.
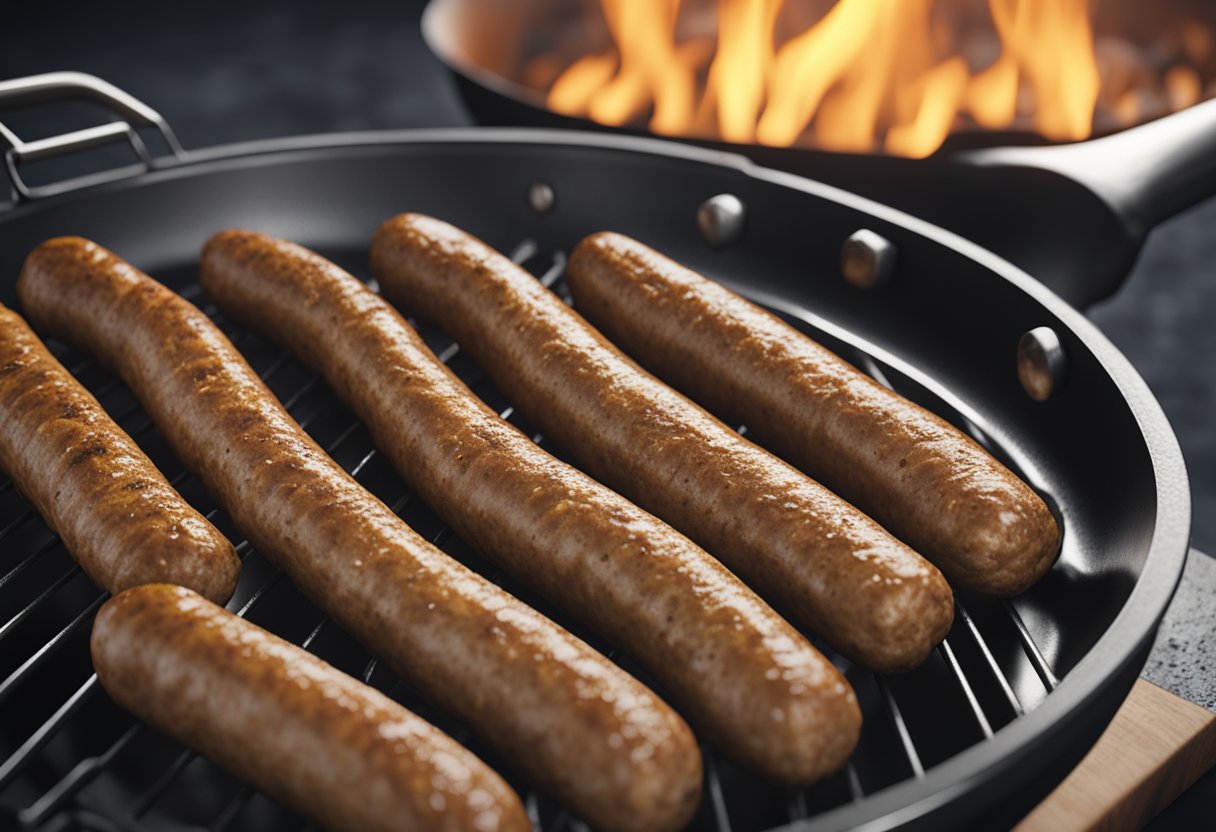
[870,596]
[575,723]
[919,476]
[745,676]
[283,720]
[117,515]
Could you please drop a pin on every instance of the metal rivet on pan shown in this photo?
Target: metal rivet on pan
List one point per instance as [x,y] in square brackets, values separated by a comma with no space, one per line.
[541,197]
[1041,362]
[720,219]
[867,259]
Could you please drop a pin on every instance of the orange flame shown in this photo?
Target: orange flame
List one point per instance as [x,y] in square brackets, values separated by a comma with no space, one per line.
[867,74]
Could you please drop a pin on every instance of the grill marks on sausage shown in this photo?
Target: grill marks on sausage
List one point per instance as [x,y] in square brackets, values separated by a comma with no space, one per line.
[540,697]
[277,716]
[727,658]
[118,516]
[86,454]
[783,533]
[923,479]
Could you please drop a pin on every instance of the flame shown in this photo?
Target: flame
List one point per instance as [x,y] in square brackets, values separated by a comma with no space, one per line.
[651,69]
[942,90]
[1051,44]
[866,75]
[571,92]
[739,74]
[808,65]
[1183,86]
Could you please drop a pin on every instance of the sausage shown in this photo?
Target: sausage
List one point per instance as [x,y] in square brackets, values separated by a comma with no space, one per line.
[744,675]
[920,477]
[839,572]
[576,724]
[283,720]
[117,515]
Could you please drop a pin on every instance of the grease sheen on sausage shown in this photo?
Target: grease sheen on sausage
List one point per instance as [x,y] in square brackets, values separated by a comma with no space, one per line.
[283,720]
[745,676]
[117,515]
[919,476]
[870,596]
[576,724]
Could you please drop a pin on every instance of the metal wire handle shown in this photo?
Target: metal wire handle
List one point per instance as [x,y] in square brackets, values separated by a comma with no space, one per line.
[59,86]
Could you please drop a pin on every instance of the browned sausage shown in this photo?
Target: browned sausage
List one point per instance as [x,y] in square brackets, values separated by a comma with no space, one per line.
[920,477]
[577,724]
[743,674]
[278,717]
[871,597]
[117,516]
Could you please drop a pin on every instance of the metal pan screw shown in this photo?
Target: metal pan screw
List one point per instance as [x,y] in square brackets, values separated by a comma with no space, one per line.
[867,259]
[541,197]
[1041,362]
[720,219]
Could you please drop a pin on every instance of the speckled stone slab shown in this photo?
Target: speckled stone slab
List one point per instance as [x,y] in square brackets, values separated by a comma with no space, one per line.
[1183,659]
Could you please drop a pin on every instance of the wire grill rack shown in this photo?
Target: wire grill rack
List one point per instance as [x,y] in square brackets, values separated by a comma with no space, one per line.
[70,759]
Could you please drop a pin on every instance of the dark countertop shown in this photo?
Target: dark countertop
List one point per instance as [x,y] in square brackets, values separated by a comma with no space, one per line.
[236,72]
[1183,660]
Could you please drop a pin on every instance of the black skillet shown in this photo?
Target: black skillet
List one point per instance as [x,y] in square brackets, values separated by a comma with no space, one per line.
[1074,216]
[975,737]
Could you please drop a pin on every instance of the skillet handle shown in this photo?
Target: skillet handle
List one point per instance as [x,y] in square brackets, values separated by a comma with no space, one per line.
[1144,174]
[58,86]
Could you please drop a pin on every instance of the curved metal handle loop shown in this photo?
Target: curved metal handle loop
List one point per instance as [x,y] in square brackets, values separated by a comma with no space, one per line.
[58,86]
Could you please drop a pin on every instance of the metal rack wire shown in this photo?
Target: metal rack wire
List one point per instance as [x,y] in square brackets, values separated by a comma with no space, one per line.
[85,764]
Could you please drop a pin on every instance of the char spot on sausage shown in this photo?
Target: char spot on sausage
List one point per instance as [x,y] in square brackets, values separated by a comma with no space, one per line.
[95,450]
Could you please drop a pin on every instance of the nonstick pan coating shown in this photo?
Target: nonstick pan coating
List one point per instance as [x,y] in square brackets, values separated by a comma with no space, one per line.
[944,331]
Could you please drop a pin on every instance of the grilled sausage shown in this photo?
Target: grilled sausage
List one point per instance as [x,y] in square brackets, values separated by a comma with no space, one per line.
[920,477]
[575,723]
[278,717]
[870,596]
[117,516]
[745,676]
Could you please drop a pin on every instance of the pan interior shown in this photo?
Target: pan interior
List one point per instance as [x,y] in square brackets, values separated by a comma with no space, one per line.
[943,332]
